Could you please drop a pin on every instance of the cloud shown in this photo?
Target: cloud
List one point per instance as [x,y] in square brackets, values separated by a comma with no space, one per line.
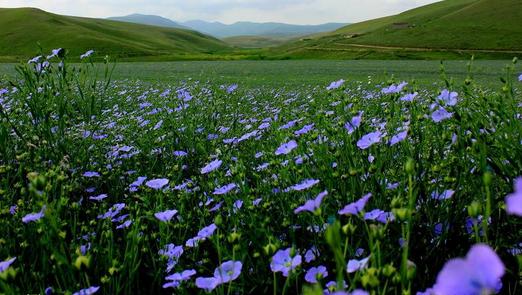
[228,11]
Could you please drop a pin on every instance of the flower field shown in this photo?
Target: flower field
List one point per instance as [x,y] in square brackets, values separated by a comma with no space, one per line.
[189,187]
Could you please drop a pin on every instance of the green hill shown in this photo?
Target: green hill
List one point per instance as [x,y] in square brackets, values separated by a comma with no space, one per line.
[491,28]
[22,29]
[258,41]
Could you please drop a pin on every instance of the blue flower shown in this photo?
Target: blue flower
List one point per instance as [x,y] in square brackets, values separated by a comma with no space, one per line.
[369,139]
[32,217]
[304,185]
[355,265]
[312,205]
[87,54]
[335,85]
[228,271]
[440,115]
[4,265]
[225,189]
[87,291]
[514,200]
[283,262]
[394,88]
[165,216]
[157,184]
[286,148]
[443,196]
[478,273]
[398,137]
[449,98]
[316,273]
[355,207]
[354,123]
[211,166]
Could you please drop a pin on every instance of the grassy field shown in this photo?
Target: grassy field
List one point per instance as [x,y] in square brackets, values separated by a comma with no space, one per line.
[297,72]
[449,29]
[23,29]
[446,30]
[261,178]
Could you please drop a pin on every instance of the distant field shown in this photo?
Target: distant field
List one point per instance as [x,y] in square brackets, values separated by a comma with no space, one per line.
[309,72]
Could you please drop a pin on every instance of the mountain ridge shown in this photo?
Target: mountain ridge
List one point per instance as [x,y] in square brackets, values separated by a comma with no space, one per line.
[23,30]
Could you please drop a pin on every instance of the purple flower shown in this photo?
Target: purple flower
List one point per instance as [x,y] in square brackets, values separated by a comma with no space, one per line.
[31,217]
[305,129]
[98,197]
[113,211]
[289,125]
[394,88]
[207,284]
[4,265]
[231,88]
[87,291]
[354,123]
[54,52]
[126,224]
[305,184]
[203,234]
[514,200]
[440,115]
[520,78]
[157,184]
[369,139]
[138,182]
[284,263]
[316,273]
[355,207]
[312,205]
[409,97]
[379,215]
[398,137]
[335,85]
[228,271]
[286,148]
[225,189]
[91,174]
[172,251]
[478,273]
[166,216]
[87,54]
[180,153]
[207,231]
[238,204]
[211,166]
[310,255]
[263,126]
[449,98]
[35,60]
[178,277]
[443,196]
[355,265]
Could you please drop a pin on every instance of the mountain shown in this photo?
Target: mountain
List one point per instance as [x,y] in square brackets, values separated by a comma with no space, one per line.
[22,30]
[457,27]
[152,20]
[221,30]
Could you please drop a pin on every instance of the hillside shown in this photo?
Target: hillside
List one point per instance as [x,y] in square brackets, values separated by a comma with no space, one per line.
[453,27]
[257,41]
[151,20]
[22,29]
[272,29]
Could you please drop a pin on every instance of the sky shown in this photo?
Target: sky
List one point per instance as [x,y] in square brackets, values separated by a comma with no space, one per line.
[230,11]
